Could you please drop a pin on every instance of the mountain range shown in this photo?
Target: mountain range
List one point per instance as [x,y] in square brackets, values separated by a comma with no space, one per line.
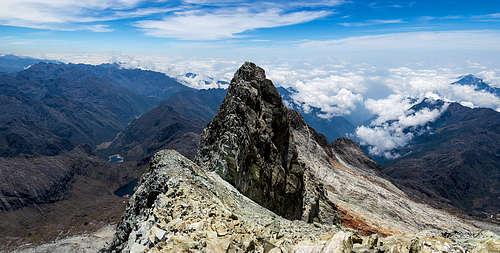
[456,162]
[11,63]
[60,122]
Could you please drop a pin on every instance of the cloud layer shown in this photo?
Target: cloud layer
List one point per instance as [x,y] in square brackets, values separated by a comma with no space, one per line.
[396,124]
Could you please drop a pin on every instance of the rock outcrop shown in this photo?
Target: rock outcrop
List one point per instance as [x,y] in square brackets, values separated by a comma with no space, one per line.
[249,143]
[180,207]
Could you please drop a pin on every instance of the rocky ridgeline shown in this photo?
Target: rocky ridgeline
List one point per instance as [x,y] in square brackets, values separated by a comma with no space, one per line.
[267,182]
[180,207]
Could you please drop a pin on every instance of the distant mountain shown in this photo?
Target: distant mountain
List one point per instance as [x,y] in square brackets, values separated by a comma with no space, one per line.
[157,129]
[175,124]
[54,181]
[456,163]
[197,104]
[478,83]
[332,128]
[12,64]
[154,85]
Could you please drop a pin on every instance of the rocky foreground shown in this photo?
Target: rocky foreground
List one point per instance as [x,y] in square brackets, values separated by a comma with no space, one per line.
[264,181]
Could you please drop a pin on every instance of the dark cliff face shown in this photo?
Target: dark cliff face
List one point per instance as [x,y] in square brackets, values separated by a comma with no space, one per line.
[249,143]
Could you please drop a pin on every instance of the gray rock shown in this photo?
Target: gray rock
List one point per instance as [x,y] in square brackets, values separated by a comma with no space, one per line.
[249,144]
[180,207]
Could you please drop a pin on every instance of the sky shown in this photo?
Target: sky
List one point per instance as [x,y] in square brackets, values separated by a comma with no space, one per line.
[346,57]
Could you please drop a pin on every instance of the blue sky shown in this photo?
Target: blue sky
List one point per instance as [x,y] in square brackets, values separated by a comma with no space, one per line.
[166,27]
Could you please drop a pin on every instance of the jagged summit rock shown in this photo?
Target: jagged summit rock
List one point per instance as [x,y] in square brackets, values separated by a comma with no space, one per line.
[249,144]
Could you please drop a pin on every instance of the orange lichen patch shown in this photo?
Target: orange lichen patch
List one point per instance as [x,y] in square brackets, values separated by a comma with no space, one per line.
[361,226]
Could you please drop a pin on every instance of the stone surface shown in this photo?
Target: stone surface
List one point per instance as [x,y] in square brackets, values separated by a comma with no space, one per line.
[200,212]
[371,202]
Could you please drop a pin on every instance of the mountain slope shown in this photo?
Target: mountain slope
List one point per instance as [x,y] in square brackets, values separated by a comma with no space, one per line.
[53,107]
[12,64]
[198,104]
[175,124]
[151,84]
[157,129]
[457,163]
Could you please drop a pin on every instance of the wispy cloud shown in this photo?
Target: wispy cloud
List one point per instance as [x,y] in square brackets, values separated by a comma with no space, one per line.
[373,22]
[486,16]
[61,15]
[222,24]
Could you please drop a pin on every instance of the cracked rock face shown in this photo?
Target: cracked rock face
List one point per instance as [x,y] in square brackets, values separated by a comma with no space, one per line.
[249,144]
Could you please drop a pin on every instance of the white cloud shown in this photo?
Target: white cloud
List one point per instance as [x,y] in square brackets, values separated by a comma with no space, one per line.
[390,108]
[488,16]
[335,94]
[417,83]
[396,124]
[491,77]
[224,23]
[60,14]
[383,136]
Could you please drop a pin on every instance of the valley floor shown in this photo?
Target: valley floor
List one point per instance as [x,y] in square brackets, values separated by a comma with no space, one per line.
[84,212]
[80,243]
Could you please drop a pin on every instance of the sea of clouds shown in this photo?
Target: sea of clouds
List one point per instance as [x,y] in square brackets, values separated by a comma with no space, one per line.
[383,95]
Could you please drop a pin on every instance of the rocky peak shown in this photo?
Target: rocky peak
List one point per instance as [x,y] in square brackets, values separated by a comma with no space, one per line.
[248,143]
